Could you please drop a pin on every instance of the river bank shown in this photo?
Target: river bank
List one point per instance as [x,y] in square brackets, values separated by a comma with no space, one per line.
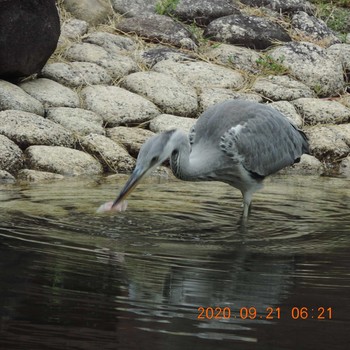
[123,73]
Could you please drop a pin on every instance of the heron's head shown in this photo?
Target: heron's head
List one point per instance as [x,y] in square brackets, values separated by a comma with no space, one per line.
[152,153]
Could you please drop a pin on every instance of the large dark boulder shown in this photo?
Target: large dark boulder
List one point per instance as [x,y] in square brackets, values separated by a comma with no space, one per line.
[249,31]
[284,6]
[159,29]
[202,12]
[314,28]
[29,31]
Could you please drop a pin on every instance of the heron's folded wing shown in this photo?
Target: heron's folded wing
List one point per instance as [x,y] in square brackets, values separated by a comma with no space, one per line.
[264,144]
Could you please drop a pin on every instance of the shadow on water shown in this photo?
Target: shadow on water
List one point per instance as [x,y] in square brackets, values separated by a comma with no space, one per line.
[177,270]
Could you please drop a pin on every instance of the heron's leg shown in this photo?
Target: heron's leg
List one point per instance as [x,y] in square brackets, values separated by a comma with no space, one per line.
[245,210]
[247,198]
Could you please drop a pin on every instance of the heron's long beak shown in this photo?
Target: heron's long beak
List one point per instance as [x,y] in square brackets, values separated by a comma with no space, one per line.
[132,182]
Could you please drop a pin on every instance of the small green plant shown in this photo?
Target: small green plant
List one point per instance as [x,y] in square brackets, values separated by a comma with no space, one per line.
[197,32]
[216,45]
[232,59]
[336,14]
[269,65]
[341,3]
[319,90]
[165,7]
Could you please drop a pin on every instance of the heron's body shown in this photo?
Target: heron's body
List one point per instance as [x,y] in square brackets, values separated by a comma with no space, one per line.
[237,142]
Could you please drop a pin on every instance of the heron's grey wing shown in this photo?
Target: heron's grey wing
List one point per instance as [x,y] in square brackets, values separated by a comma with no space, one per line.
[264,144]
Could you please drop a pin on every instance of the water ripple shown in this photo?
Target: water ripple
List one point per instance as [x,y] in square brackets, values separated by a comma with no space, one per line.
[70,275]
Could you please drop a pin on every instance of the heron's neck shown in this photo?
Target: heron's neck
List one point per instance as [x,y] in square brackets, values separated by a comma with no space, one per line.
[180,163]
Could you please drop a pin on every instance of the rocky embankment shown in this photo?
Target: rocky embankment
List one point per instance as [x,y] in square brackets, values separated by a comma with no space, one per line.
[124,70]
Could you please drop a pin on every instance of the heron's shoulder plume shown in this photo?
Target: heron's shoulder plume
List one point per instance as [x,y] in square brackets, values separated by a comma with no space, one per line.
[228,142]
[192,135]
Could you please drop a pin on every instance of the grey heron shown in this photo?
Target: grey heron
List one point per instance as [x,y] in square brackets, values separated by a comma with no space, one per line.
[237,142]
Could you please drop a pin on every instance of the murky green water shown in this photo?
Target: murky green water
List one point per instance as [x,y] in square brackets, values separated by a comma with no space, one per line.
[71,279]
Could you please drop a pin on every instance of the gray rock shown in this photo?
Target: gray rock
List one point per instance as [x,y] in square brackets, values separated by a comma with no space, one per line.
[329,143]
[111,155]
[166,122]
[11,156]
[249,31]
[343,131]
[13,97]
[134,8]
[6,177]
[313,28]
[118,106]
[150,57]
[308,165]
[287,109]
[91,11]
[78,125]
[27,129]
[313,66]
[345,100]
[165,91]
[236,57]
[162,172]
[112,43]
[157,28]
[78,113]
[282,6]
[201,75]
[73,29]
[131,138]
[281,87]
[344,168]
[201,12]
[62,160]
[316,111]
[37,176]
[342,52]
[50,93]
[212,96]
[76,74]
[116,65]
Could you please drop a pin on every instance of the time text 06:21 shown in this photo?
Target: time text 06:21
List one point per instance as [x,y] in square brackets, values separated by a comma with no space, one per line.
[269,313]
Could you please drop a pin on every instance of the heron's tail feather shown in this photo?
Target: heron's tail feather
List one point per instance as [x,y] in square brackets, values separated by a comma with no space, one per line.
[305,146]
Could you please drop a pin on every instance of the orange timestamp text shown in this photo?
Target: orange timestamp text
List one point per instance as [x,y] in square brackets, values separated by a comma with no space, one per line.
[269,313]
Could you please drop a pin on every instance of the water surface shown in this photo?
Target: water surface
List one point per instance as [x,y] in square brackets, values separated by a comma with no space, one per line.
[72,279]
